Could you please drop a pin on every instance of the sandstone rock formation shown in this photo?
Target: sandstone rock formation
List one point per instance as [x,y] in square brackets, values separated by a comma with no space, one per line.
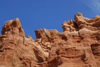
[77,46]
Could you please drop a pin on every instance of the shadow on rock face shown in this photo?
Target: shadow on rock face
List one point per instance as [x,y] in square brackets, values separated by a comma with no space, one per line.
[40,59]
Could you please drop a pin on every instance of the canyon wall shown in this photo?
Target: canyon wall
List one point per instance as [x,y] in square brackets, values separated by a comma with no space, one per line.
[77,46]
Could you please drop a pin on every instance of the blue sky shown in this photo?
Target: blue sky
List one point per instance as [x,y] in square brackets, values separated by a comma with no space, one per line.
[49,14]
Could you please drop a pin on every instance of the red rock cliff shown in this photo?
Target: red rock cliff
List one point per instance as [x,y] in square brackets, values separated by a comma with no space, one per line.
[77,46]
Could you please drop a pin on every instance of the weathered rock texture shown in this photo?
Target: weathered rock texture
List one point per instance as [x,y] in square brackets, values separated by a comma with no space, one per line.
[77,46]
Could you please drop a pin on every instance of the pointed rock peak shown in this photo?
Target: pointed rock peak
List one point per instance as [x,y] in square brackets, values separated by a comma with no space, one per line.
[78,14]
[17,19]
[16,23]
[68,26]
[38,33]
[12,27]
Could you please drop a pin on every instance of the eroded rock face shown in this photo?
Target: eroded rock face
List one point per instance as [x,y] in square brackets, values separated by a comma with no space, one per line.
[83,22]
[77,46]
[69,26]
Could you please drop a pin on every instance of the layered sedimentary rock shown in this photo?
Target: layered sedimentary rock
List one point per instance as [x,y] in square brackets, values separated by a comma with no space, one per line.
[77,46]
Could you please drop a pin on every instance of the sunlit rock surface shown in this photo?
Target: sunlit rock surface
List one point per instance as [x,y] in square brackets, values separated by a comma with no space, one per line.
[77,46]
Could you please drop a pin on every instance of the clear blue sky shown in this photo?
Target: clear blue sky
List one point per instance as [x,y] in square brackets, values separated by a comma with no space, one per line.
[49,14]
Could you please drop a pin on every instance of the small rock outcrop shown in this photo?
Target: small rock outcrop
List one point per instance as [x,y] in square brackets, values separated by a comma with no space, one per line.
[77,46]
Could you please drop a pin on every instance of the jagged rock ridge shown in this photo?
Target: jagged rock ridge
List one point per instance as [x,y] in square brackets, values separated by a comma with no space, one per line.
[77,46]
